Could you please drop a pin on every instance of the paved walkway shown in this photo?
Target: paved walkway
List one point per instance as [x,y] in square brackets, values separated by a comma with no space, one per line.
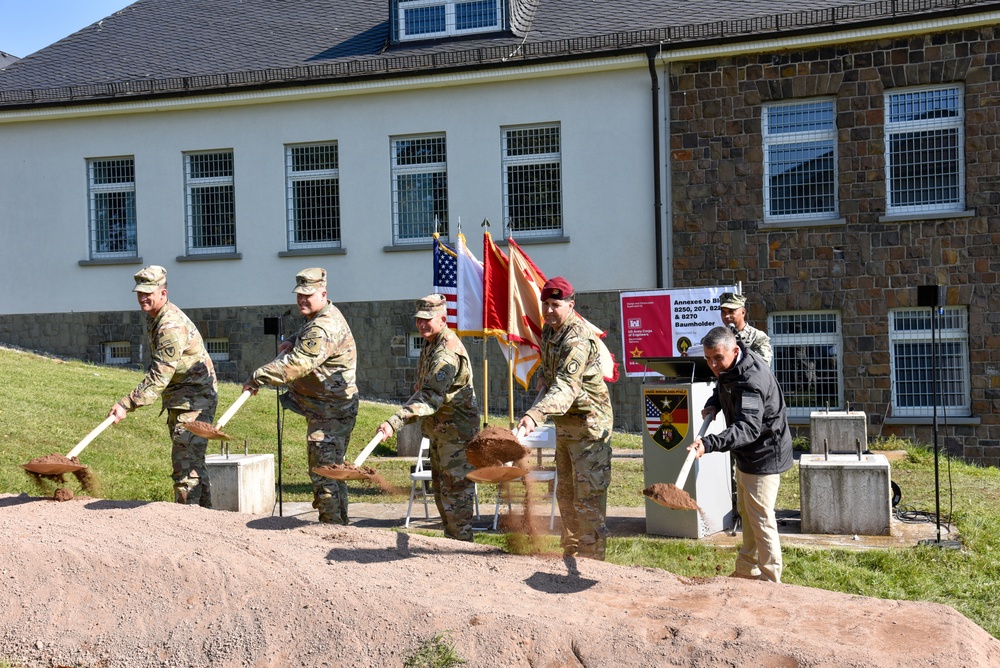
[627,521]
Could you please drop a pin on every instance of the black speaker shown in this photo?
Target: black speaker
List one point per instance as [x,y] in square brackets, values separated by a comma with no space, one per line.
[930,295]
[272,326]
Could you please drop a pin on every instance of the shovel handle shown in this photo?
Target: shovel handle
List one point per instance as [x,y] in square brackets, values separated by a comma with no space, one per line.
[519,433]
[231,411]
[108,421]
[368,449]
[692,455]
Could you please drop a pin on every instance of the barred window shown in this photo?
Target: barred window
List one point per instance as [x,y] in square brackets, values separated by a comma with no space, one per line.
[111,196]
[211,206]
[911,359]
[414,344]
[808,354]
[312,182]
[218,349]
[532,181]
[924,150]
[419,189]
[424,19]
[800,161]
[116,352]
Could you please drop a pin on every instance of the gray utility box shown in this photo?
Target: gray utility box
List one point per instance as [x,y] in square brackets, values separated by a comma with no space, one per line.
[242,483]
[841,430]
[846,494]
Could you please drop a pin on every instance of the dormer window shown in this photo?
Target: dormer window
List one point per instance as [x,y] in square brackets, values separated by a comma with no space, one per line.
[430,19]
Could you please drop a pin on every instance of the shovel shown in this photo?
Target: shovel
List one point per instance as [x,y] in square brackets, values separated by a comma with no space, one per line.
[497,474]
[348,473]
[674,496]
[57,467]
[205,430]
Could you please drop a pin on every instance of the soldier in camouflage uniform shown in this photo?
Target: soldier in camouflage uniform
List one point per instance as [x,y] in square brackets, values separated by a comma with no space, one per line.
[445,402]
[733,311]
[574,395]
[182,374]
[318,365]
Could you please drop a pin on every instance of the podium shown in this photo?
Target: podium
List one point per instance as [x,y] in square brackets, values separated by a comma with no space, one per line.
[672,404]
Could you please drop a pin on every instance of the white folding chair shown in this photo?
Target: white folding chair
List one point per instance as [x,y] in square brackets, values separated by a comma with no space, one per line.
[421,477]
[542,438]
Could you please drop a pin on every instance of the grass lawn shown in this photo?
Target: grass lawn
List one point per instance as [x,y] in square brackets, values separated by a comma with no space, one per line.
[47,405]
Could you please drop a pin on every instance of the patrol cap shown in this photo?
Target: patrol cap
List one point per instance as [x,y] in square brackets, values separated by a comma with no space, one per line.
[150,278]
[430,306]
[732,300]
[557,288]
[309,281]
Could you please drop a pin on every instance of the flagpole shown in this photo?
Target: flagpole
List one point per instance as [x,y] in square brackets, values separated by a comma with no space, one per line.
[510,350]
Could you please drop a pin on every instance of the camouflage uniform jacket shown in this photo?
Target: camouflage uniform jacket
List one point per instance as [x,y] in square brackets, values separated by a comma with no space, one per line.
[444,392]
[756,341]
[574,382]
[180,369]
[320,368]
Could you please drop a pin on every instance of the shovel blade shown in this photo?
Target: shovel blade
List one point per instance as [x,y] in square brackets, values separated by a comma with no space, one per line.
[52,469]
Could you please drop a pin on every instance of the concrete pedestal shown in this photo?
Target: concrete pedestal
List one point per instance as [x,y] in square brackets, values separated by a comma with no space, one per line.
[408,440]
[845,494]
[842,431]
[242,483]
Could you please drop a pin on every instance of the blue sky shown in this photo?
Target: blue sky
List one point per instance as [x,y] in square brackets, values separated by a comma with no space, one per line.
[29,25]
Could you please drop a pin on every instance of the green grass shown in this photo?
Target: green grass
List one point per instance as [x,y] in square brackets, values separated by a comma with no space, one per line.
[48,405]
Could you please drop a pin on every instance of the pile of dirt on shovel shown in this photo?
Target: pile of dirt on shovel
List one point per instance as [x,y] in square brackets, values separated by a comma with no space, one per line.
[494,446]
[84,476]
[368,474]
[671,496]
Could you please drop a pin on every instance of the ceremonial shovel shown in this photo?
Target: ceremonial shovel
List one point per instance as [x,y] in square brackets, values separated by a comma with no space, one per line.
[350,473]
[57,468]
[491,474]
[205,430]
[674,496]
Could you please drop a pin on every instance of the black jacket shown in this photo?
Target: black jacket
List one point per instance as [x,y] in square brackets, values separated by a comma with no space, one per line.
[754,407]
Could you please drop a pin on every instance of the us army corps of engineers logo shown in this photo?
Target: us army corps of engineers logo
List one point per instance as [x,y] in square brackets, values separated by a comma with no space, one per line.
[667,415]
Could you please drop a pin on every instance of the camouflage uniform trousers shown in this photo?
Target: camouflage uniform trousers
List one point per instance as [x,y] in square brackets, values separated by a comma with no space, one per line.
[584,469]
[454,494]
[187,454]
[327,445]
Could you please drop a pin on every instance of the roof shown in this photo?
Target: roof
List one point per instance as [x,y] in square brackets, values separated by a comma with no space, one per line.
[158,47]
[6,59]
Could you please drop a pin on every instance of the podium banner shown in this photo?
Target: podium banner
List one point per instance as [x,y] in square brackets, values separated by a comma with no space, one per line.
[666,323]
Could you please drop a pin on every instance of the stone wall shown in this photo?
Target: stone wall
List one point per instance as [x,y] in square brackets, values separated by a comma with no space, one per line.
[863,266]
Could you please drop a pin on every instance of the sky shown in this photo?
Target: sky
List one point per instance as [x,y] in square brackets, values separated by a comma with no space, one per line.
[29,25]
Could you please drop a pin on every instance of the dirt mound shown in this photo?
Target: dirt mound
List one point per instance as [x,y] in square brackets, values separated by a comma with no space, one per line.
[494,446]
[671,496]
[114,584]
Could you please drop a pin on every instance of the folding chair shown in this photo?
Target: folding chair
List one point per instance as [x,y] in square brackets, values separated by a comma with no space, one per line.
[542,438]
[421,477]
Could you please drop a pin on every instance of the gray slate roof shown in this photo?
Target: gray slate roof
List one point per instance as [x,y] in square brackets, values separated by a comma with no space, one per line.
[156,47]
[6,59]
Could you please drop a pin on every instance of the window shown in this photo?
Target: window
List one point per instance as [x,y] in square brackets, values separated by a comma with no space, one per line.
[116,352]
[807,359]
[313,196]
[911,358]
[211,209]
[218,349]
[532,181]
[414,344]
[419,189]
[924,154]
[425,19]
[111,193]
[800,161]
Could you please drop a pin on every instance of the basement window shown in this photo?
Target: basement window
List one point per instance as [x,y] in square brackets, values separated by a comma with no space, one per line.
[116,352]
[428,19]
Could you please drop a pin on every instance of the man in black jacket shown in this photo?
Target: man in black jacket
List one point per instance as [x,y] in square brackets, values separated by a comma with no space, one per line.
[757,435]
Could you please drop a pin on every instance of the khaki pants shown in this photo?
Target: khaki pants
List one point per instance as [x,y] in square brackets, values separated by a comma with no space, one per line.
[760,556]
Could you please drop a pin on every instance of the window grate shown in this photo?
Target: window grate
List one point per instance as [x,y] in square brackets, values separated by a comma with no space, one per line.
[111,185]
[422,19]
[218,349]
[210,205]
[911,359]
[415,343]
[313,196]
[419,189]
[116,352]
[532,181]
[800,157]
[807,363]
[925,160]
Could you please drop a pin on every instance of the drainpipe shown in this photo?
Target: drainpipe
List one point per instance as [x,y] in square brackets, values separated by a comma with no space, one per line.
[657,190]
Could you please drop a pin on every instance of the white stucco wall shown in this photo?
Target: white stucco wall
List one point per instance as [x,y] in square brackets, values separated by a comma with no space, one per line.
[606,181]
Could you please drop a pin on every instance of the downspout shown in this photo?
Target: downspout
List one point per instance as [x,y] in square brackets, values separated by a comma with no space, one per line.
[657,189]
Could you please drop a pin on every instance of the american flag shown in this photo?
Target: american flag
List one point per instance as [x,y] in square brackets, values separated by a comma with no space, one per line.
[446,278]
[652,416]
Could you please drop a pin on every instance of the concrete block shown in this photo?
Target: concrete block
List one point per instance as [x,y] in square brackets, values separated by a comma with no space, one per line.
[845,494]
[408,440]
[242,483]
[842,431]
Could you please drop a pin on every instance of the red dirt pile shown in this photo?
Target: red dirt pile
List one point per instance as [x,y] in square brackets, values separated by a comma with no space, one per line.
[494,446]
[671,496]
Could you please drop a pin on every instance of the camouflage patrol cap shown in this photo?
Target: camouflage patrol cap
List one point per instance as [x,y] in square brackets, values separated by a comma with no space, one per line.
[430,306]
[732,300]
[150,279]
[310,280]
